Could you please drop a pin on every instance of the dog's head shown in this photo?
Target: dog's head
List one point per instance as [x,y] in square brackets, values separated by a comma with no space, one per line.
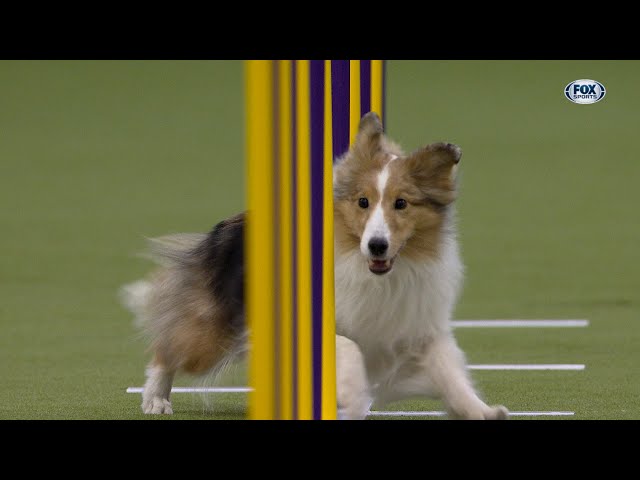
[387,203]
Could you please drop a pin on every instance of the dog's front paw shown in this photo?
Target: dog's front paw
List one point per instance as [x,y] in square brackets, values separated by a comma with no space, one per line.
[354,398]
[479,412]
[358,409]
[498,412]
[157,406]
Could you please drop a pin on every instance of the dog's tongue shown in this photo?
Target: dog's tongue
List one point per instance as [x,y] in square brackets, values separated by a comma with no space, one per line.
[379,266]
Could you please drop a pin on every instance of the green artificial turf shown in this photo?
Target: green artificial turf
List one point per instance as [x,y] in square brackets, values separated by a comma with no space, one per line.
[96,155]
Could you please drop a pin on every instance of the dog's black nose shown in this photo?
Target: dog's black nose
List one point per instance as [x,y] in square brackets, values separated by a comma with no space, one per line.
[378,246]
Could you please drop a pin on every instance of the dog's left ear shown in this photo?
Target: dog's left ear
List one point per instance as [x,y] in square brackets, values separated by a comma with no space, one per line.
[434,167]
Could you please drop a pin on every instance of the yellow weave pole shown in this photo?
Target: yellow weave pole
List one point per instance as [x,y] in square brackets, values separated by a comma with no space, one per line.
[354,99]
[285,241]
[329,407]
[259,245]
[377,87]
[301,115]
[303,286]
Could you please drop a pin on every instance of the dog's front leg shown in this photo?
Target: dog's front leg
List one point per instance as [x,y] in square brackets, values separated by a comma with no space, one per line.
[445,366]
[354,398]
[439,370]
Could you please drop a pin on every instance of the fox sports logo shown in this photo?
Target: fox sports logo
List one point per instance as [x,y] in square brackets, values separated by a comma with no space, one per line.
[585,91]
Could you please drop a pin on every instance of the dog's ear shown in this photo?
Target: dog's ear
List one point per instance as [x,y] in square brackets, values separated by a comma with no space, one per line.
[370,124]
[434,169]
[369,137]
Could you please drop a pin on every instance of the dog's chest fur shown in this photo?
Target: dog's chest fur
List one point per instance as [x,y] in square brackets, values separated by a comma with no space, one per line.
[395,316]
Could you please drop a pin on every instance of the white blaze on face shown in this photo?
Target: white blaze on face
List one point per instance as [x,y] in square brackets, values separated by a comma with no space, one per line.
[376,226]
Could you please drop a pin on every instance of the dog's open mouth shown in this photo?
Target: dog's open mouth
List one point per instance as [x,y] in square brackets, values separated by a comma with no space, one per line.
[380,267]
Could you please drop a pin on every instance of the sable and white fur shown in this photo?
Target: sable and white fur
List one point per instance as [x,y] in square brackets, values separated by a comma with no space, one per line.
[398,322]
[397,271]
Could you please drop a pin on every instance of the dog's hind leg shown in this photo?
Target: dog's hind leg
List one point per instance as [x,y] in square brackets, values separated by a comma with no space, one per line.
[157,389]
[196,341]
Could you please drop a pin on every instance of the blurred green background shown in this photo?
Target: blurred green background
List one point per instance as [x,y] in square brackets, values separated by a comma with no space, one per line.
[96,155]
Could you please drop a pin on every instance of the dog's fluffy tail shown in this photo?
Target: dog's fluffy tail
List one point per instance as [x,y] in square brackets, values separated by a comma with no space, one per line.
[174,249]
[135,296]
[167,251]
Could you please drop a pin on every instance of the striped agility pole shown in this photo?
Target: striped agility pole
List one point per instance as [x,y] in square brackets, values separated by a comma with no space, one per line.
[301,115]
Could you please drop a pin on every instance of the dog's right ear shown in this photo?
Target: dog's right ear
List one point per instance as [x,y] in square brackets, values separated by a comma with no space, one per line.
[370,124]
[369,138]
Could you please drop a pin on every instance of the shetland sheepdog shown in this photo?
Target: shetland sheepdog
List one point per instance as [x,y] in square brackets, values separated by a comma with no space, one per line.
[397,278]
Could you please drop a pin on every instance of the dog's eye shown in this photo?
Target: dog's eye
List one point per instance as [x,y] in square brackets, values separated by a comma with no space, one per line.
[363,202]
[400,204]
